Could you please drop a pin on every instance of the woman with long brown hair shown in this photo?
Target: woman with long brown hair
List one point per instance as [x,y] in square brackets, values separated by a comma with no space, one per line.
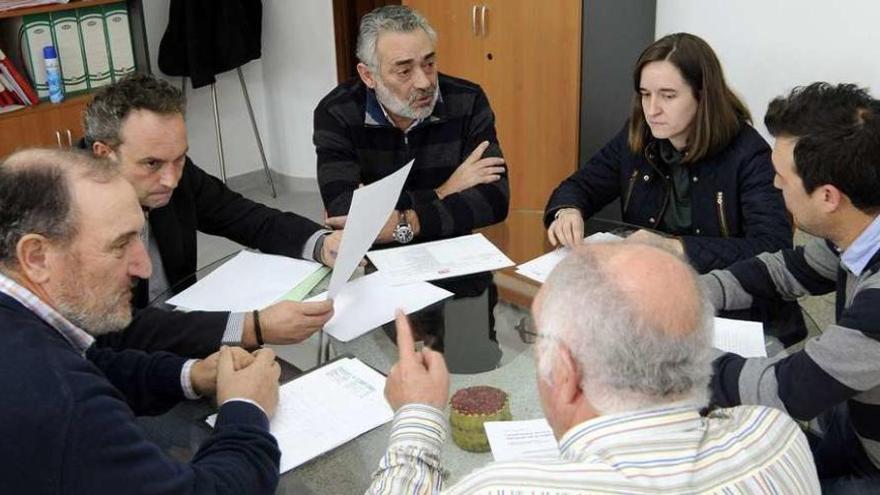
[687,163]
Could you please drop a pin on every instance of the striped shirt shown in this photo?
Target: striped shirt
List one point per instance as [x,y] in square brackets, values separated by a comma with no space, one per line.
[357,144]
[78,338]
[843,364]
[671,449]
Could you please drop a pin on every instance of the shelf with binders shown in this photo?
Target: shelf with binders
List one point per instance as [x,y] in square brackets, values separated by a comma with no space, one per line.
[83,26]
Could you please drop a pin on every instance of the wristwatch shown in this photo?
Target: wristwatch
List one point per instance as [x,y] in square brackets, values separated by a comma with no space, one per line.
[403,232]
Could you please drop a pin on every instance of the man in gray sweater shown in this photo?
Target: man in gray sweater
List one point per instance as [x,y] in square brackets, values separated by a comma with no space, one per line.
[827,161]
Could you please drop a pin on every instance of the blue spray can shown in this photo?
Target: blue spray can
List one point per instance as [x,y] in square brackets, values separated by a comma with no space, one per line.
[53,74]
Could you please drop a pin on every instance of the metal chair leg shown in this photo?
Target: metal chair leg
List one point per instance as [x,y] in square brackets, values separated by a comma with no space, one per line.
[320,360]
[323,348]
[247,100]
[217,131]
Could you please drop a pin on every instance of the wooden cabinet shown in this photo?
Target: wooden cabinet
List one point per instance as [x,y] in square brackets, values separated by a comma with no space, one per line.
[43,125]
[527,57]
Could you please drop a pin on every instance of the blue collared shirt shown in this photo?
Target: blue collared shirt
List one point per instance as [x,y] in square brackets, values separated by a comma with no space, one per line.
[860,252]
[75,336]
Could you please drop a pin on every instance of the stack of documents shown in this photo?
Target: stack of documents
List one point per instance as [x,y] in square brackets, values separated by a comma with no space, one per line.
[326,408]
[539,268]
[439,259]
[247,282]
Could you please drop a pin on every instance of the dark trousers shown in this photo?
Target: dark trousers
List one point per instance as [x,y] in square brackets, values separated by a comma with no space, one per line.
[841,461]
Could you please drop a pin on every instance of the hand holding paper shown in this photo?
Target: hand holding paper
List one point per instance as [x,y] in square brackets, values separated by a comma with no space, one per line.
[288,322]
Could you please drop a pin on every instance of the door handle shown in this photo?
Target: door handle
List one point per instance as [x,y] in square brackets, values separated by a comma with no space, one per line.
[483,10]
[69,138]
[58,138]
[474,20]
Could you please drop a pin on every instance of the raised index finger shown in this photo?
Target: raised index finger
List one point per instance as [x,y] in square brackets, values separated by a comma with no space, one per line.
[406,346]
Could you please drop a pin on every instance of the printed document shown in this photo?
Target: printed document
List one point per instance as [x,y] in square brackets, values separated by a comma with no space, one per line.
[519,440]
[326,408]
[439,259]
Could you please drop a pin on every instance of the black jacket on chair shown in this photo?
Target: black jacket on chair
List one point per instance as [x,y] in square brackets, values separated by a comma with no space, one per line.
[202,202]
[207,37]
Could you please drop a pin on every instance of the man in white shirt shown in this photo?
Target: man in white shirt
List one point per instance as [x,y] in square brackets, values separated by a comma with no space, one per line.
[623,358]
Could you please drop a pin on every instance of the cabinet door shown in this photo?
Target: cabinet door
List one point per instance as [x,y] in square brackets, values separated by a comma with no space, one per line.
[532,50]
[67,121]
[46,125]
[459,41]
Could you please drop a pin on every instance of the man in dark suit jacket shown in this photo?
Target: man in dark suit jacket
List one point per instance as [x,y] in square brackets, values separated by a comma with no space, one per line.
[70,248]
[138,123]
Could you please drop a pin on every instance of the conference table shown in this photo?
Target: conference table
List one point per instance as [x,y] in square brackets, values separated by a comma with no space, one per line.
[464,328]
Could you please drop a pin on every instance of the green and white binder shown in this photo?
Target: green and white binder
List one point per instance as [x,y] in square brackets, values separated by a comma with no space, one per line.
[95,46]
[119,39]
[34,33]
[68,44]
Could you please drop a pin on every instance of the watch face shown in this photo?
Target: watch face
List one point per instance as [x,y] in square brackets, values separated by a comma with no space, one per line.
[403,233]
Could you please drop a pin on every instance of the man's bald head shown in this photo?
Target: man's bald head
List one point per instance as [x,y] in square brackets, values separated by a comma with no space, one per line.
[634,318]
[655,281]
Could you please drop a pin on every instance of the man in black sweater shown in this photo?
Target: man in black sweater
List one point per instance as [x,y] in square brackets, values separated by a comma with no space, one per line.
[70,248]
[401,109]
[138,123]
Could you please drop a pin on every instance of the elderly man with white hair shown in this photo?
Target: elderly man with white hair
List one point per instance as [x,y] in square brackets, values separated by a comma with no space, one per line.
[623,355]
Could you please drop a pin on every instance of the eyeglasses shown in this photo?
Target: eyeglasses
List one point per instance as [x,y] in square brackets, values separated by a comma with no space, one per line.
[525,327]
[528,331]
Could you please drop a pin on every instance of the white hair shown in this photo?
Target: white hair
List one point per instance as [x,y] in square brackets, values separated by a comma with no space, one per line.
[627,361]
[390,18]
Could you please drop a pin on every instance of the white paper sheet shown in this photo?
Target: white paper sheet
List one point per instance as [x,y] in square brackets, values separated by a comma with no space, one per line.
[370,208]
[326,408]
[247,282]
[745,338]
[518,440]
[439,259]
[370,301]
[539,268]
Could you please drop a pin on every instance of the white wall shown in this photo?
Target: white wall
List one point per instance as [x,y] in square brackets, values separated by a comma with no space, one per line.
[297,68]
[769,46]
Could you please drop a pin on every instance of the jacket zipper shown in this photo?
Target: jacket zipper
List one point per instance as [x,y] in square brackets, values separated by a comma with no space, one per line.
[722,218]
[629,189]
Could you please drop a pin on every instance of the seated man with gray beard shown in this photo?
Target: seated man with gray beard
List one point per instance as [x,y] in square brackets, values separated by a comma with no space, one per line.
[623,373]
[401,109]
[70,249]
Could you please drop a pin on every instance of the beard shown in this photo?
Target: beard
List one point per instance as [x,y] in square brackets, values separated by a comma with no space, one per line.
[95,313]
[401,108]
